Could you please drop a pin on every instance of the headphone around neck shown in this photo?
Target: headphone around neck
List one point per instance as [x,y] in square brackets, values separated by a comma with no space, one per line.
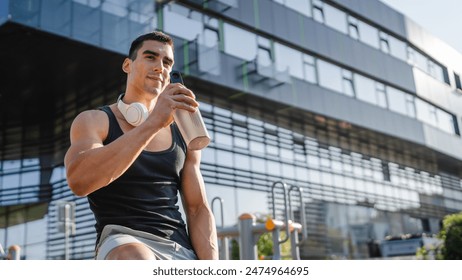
[135,113]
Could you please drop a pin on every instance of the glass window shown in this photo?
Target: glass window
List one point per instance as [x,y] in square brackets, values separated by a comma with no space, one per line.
[314,175]
[330,76]
[445,121]
[257,164]
[457,81]
[209,37]
[426,112]
[11,165]
[272,150]
[91,3]
[10,181]
[318,12]
[274,168]
[30,178]
[380,95]
[368,34]
[384,46]
[176,17]
[436,71]
[301,6]
[250,201]
[419,60]
[225,158]
[242,161]
[28,162]
[335,18]
[241,142]
[410,105]
[348,87]
[114,7]
[397,48]
[208,156]
[312,160]
[264,56]
[410,55]
[302,174]
[309,68]
[398,101]
[353,30]
[235,38]
[287,58]
[287,154]
[257,147]
[365,89]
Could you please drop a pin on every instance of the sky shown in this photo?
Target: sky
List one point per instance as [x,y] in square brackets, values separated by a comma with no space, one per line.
[442,18]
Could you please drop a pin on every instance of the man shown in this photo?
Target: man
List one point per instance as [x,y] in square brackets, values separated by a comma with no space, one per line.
[132,172]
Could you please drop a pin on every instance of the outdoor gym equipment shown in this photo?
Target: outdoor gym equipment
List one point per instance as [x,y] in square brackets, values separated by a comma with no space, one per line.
[248,230]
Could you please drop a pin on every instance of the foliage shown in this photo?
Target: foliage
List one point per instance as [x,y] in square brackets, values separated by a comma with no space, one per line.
[265,245]
[429,254]
[451,235]
[234,249]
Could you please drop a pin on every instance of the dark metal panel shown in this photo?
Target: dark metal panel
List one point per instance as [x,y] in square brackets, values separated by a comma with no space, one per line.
[352,54]
[246,12]
[378,12]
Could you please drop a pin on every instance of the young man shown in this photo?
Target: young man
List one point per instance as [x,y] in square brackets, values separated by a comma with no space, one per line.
[132,172]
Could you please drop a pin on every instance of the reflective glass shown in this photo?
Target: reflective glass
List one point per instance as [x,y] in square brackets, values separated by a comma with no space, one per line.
[288,58]
[330,76]
[235,38]
[368,34]
[335,18]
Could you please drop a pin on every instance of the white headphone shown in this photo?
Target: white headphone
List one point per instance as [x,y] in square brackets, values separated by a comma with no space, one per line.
[134,113]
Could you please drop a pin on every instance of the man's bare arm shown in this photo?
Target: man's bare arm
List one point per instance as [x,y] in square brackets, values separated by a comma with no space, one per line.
[201,223]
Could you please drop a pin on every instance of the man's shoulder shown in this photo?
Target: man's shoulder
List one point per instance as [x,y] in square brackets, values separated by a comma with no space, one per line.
[92,116]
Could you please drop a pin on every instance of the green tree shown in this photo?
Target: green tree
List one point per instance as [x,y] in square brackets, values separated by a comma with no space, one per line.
[451,237]
[451,234]
[265,245]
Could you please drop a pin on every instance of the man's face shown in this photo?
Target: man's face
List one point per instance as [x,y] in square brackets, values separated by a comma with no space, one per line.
[150,70]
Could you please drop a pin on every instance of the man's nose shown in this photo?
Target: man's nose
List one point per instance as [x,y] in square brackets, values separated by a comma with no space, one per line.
[159,66]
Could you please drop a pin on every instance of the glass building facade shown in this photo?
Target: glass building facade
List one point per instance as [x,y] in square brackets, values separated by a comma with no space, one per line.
[350,101]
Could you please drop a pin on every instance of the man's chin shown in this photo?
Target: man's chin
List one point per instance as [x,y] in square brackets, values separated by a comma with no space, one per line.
[154,92]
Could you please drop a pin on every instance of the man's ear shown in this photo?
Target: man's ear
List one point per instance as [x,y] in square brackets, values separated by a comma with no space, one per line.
[126,65]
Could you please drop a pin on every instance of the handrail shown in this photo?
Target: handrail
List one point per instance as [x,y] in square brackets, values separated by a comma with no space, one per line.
[286,210]
[221,208]
[302,211]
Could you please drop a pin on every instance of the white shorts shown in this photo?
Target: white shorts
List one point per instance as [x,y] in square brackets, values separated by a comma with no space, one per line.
[164,249]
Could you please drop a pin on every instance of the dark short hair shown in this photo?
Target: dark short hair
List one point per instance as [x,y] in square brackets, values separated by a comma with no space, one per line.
[155,36]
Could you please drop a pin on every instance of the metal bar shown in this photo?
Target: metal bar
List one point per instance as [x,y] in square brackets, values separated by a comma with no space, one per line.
[286,210]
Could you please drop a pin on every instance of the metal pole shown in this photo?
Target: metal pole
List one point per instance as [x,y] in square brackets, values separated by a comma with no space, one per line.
[67,212]
[247,246]
[14,252]
[224,242]
[286,210]
[276,242]
[224,249]
[294,245]
[276,246]
[302,211]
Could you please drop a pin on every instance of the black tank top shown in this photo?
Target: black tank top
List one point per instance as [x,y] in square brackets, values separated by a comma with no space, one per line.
[145,197]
